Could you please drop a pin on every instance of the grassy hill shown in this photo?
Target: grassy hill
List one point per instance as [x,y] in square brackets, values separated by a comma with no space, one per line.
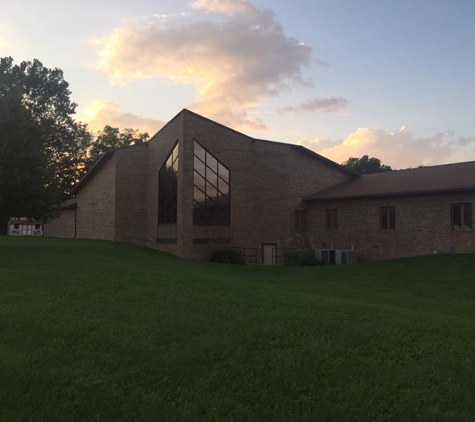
[97,331]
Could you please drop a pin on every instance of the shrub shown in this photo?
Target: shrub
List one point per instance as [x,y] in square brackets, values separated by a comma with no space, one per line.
[302,257]
[227,256]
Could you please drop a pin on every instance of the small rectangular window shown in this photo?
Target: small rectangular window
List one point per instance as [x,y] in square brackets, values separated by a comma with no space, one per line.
[300,220]
[461,217]
[331,219]
[387,218]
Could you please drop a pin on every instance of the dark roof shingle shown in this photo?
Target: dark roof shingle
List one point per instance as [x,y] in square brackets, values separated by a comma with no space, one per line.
[424,180]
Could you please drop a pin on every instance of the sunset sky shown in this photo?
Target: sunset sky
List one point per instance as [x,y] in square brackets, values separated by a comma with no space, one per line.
[389,78]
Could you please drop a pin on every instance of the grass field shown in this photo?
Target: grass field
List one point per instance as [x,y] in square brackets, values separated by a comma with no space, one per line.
[96,331]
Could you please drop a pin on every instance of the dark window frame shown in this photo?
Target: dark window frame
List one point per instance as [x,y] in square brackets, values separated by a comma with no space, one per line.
[300,220]
[466,209]
[331,219]
[165,214]
[387,218]
[215,209]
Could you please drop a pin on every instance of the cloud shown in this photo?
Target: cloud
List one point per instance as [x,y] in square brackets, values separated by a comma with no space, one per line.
[324,105]
[101,113]
[398,148]
[4,44]
[235,62]
[227,7]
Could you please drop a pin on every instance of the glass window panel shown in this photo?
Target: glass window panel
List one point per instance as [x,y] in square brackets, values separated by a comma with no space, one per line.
[211,177]
[199,212]
[211,217]
[200,152]
[467,216]
[211,162]
[175,153]
[199,181]
[392,217]
[223,187]
[457,217]
[335,219]
[200,166]
[199,196]
[383,217]
[167,191]
[197,221]
[223,172]
[211,191]
[223,201]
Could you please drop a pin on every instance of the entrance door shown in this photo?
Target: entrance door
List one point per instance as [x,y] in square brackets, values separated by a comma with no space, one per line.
[268,253]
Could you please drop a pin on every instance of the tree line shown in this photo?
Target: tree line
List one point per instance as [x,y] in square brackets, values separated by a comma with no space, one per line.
[44,151]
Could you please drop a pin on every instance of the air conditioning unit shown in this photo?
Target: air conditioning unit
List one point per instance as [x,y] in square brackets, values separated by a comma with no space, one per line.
[336,256]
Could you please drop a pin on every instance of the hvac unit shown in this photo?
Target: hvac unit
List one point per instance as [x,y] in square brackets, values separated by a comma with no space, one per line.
[336,256]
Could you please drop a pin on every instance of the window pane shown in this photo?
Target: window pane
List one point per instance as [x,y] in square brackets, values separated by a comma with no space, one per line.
[168,190]
[456,217]
[199,196]
[223,187]
[200,182]
[212,177]
[223,172]
[200,152]
[335,219]
[467,216]
[210,190]
[211,162]
[199,213]
[383,217]
[175,153]
[392,217]
[200,166]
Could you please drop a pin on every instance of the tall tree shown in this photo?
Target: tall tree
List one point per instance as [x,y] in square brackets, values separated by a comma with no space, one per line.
[43,150]
[112,138]
[366,165]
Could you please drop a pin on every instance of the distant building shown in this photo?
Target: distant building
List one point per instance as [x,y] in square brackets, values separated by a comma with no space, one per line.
[198,186]
[24,227]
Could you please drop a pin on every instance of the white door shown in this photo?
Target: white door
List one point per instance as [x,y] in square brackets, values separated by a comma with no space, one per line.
[268,254]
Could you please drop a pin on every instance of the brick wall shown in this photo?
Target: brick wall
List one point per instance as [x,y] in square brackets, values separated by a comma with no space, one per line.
[131,195]
[63,226]
[268,182]
[423,224]
[96,204]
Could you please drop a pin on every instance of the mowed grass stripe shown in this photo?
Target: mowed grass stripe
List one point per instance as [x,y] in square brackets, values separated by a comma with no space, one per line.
[93,330]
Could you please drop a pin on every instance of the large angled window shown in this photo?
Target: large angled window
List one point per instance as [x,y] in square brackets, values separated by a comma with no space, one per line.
[211,205]
[168,189]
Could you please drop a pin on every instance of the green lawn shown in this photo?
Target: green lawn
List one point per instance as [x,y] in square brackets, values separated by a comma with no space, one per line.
[97,331]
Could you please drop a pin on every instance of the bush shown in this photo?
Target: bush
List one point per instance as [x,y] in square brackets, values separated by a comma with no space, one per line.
[227,256]
[299,258]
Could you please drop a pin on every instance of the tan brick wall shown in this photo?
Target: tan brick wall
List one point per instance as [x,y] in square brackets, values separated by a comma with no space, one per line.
[422,226]
[268,182]
[63,226]
[96,204]
[131,195]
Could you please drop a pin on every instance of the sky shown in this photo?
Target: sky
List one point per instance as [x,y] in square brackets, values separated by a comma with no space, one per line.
[392,79]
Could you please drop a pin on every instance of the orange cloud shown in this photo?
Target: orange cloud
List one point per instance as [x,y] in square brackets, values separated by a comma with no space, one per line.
[398,148]
[102,113]
[234,64]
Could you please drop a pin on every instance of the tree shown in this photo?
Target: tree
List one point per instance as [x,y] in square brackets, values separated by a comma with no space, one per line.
[28,186]
[112,138]
[43,150]
[366,165]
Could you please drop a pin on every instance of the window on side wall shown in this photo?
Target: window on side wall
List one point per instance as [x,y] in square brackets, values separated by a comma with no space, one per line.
[168,189]
[387,218]
[331,219]
[300,220]
[211,190]
[461,217]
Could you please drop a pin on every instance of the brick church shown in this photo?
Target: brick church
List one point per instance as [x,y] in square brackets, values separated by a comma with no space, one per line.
[198,186]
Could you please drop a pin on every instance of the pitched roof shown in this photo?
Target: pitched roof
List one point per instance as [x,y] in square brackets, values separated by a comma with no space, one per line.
[444,178]
[108,154]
